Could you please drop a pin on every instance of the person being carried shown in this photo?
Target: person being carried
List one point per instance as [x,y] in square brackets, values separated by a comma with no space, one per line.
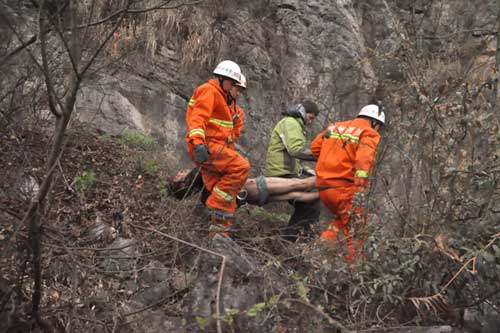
[287,147]
[346,155]
[256,191]
[212,127]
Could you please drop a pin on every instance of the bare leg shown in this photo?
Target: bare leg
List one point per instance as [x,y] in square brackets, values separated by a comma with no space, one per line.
[252,191]
[277,185]
[181,175]
[279,189]
[297,196]
[282,189]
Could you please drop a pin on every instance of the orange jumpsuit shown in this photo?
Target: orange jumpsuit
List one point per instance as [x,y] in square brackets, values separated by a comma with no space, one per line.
[346,154]
[212,122]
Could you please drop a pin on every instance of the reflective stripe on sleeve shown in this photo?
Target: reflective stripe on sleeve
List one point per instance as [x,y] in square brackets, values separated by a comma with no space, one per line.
[361,174]
[223,123]
[198,131]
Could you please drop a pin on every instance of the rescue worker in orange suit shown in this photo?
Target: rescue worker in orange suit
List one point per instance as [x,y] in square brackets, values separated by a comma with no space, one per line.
[237,111]
[346,155]
[212,127]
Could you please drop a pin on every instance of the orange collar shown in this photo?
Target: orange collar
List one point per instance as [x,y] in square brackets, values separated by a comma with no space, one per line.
[216,84]
[366,121]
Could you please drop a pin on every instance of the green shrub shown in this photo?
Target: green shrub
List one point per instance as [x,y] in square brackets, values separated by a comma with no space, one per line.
[262,214]
[138,140]
[106,137]
[151,167]
[86,180]
[163,188]
[148,167]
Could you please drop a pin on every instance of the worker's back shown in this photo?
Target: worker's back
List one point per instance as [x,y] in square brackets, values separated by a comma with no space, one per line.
[345,148]
[288,136]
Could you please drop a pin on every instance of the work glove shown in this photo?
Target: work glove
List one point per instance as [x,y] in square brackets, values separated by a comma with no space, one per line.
[201,153]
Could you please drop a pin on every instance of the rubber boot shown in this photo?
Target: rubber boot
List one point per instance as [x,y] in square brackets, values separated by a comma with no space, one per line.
[221,223]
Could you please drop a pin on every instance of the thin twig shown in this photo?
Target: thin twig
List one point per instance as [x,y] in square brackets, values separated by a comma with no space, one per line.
[137,11]
[331,321]
[64,177]
[52,96]
[221,271]
[18,49]
[475,33]
[438,298]
[161,301]
[108,37]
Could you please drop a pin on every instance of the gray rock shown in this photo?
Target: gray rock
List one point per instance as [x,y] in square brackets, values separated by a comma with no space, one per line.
[154,294]
[154,272]
[181,280]
[486,322]
[124,246]
[245,282]
[236,258]
[122,256]
[29,187]
[138,319]
[100,229]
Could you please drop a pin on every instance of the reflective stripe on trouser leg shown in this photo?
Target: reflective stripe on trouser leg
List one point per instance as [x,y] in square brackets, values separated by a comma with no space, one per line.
[220,223]
[332,231]
[339,201]
[220,227]
[228,172]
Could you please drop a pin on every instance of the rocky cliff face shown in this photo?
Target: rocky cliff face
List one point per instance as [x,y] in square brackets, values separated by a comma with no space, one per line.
[433,207]
[289,50]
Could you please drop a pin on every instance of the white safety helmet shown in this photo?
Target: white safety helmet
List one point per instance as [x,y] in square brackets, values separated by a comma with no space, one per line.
[228,69]
[243,82]
[374,112]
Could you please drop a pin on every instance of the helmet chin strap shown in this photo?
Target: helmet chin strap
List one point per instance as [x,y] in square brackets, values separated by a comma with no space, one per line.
[374,123]
[221,80]
[229,97]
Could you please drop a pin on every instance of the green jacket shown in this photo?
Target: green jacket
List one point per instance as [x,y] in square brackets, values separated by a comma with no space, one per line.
[287,146]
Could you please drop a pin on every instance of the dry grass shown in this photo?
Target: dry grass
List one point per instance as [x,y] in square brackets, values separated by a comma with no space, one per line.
[191,30]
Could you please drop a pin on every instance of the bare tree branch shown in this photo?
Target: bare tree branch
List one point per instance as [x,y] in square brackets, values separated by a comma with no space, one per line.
[221,271]
[12,91]
[27,43]
[59,31]
[108,37]
[475,33]
[497,63]
[45,66]
[17,49]
[118,13]
[138,11]
[87,29]
[14,31]
[330,320]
